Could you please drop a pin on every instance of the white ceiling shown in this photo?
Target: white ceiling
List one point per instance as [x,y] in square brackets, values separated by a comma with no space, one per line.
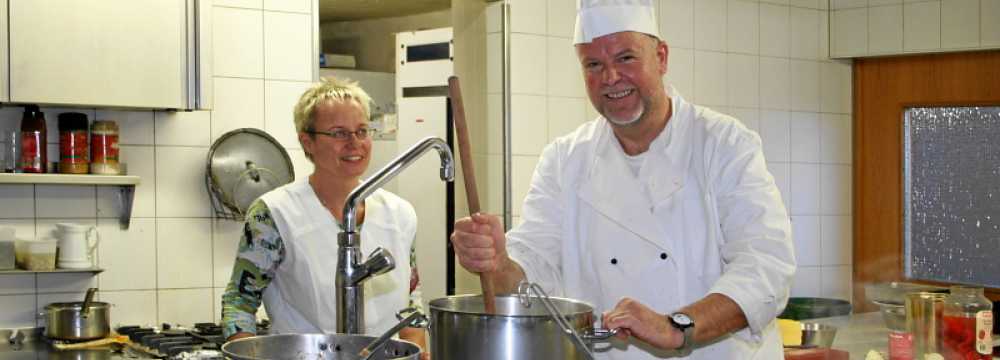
[345,10]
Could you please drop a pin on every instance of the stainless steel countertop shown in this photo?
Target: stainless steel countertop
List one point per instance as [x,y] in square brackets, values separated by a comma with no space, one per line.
[37,349]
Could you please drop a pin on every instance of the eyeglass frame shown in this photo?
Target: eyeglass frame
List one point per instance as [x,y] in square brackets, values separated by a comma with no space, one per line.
[362,133]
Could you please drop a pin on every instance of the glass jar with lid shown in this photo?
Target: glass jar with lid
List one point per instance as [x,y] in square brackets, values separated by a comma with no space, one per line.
[967,322]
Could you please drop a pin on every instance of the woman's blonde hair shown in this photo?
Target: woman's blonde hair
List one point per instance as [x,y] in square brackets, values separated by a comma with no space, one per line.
[328,89]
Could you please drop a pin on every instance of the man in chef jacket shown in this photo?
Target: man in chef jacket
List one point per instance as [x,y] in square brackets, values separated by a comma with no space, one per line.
[660,213]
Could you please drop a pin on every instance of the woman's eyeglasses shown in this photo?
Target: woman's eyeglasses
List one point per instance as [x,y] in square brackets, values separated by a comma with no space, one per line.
[342,134]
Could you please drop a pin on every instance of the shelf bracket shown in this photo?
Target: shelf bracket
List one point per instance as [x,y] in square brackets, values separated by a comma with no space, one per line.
[126,193]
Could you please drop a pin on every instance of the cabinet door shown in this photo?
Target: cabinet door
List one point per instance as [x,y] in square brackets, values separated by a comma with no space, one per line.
[99,52]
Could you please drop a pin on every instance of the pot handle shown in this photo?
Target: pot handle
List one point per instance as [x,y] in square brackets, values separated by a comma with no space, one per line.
[524,290]
[419,322]
[87,300]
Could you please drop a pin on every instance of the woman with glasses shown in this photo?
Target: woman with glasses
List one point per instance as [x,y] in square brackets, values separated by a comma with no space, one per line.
[288,251]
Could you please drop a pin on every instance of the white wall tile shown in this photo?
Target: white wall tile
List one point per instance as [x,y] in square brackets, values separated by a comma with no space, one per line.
[494,64]
[184,128]
[804,85]
[835,143]
[302,165]
[680,71]
[494,16]
[809,4]
[564,72]
[11,284]
[803,27]
[185,306]
[843,4]
[522,168]
[774,83]
[226,235]
[824,34]
[18,201]
[805,186]
[835,185]
[885,29]
[65,201]
[528,16]
[134,127]
[677,23]
[835,87]
[805,137]
[836,240]
[777,2]
[774,30]
[567,115]
[180,182]
[960,23]
[528,52]
[806,233]
[990,32]
[131,307]
[561,15]
[710,25]
[710,84]
[743,27]
[183,253]
[750,117]
[128,257]
[528,121]
[237,44]
[774,134]
[280,98]
[849,31]
[141,162]
[66,283]
[782,179]
[922,26]
[19,311]
[743,77]
[300,6]
[249,4]
[874,3]
[836,282]
[288,46]
[24,228]
[494,124]
[806,282]
[239,103]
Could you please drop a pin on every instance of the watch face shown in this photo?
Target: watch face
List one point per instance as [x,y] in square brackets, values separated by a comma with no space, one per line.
[681,319]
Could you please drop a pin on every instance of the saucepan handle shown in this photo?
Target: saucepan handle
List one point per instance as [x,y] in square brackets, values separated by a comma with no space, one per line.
[598,335]
[524,290]
[420,322]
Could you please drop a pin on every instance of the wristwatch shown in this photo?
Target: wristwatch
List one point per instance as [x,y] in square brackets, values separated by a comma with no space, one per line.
[685,324]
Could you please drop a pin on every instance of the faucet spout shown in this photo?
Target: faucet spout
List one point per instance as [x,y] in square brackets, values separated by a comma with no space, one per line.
[351,271]
[394,168]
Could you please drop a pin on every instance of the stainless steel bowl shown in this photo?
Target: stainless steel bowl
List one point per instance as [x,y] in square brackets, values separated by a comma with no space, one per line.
[315,347]
[894,315]
[818,335]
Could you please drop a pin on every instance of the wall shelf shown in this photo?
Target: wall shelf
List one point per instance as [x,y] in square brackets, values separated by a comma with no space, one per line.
[125,183]
[94,271]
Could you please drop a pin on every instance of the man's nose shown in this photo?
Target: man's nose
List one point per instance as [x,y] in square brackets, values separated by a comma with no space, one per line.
[610,75]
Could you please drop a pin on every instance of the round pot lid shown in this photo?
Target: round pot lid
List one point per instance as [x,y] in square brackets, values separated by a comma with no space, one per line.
[243,164]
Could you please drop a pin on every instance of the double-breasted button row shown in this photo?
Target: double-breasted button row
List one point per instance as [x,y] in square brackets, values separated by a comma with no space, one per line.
[614,261]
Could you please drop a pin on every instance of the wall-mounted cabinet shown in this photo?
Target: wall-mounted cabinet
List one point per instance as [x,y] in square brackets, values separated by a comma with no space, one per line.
[151,54]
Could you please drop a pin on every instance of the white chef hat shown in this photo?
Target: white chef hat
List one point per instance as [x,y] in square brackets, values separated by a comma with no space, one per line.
[596,18]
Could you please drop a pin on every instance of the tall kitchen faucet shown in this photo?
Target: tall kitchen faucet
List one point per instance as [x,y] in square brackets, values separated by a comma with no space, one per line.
[351,272]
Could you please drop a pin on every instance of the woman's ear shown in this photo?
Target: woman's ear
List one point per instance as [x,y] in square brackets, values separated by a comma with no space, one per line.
[307,141]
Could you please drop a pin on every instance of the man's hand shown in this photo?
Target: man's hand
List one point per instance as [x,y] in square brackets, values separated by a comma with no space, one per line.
[635,319]
[239,335]
[480,243]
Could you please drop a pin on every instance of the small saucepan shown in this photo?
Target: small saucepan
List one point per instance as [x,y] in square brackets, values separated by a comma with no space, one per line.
[85,320]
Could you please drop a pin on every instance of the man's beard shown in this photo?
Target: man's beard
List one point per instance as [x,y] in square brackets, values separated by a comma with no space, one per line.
[631,120]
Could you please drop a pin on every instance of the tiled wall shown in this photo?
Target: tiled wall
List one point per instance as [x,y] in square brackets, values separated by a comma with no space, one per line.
[764,62]
[172,264]
[886,27]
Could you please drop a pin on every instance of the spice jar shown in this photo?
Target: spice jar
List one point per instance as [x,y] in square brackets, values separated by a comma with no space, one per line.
[104,148]
[968,324]
[73,148]
[34,152]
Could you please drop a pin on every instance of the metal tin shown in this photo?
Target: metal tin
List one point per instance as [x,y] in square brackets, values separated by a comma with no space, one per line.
[65,321]
[316,346]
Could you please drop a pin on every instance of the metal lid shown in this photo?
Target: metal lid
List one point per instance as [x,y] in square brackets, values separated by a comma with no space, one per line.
[243,164]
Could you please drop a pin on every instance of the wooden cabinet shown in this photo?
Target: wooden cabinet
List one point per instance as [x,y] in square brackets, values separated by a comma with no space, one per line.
[108,53]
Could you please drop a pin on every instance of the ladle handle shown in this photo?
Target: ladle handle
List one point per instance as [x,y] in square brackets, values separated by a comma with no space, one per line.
[469,174]
[524,290]
[87,300]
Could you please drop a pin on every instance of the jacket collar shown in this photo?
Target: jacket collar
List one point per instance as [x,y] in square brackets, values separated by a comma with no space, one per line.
[611,188]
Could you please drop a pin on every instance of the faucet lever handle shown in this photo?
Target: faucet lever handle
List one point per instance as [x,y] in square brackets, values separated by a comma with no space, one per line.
[379,262]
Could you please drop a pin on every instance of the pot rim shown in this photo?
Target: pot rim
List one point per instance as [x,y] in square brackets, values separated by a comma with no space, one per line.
[438,307]
[76,305]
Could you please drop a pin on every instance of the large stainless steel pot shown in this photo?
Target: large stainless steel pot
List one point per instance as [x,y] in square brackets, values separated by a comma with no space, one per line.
[460,329]
[85,320]
[316,347]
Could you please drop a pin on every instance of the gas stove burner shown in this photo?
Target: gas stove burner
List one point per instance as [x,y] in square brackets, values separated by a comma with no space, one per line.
[175,341]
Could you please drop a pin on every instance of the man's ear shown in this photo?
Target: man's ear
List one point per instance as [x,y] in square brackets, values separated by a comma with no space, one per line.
[662,55]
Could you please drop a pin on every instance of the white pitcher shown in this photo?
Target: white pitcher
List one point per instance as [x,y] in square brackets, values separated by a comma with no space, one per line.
[76,245]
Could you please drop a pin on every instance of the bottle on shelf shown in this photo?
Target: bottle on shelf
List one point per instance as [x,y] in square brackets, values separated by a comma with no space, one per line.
[968,324]
[34,152]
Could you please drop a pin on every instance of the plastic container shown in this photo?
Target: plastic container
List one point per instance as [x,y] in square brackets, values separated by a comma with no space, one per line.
[968,324]
[104,148]
[36,254]
[74,151]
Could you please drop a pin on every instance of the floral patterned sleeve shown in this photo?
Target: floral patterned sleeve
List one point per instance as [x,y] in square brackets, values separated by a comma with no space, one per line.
[260,252]
[416,299]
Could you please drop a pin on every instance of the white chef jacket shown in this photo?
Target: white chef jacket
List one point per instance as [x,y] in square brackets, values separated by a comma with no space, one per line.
[703,216]
[302,297]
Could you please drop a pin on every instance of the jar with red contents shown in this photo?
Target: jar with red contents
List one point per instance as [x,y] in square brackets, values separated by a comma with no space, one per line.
[967,323]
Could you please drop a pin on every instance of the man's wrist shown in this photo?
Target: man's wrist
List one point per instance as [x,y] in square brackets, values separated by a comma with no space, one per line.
[685,324]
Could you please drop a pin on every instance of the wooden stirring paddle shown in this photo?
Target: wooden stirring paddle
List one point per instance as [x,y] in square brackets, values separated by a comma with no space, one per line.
[469,174]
